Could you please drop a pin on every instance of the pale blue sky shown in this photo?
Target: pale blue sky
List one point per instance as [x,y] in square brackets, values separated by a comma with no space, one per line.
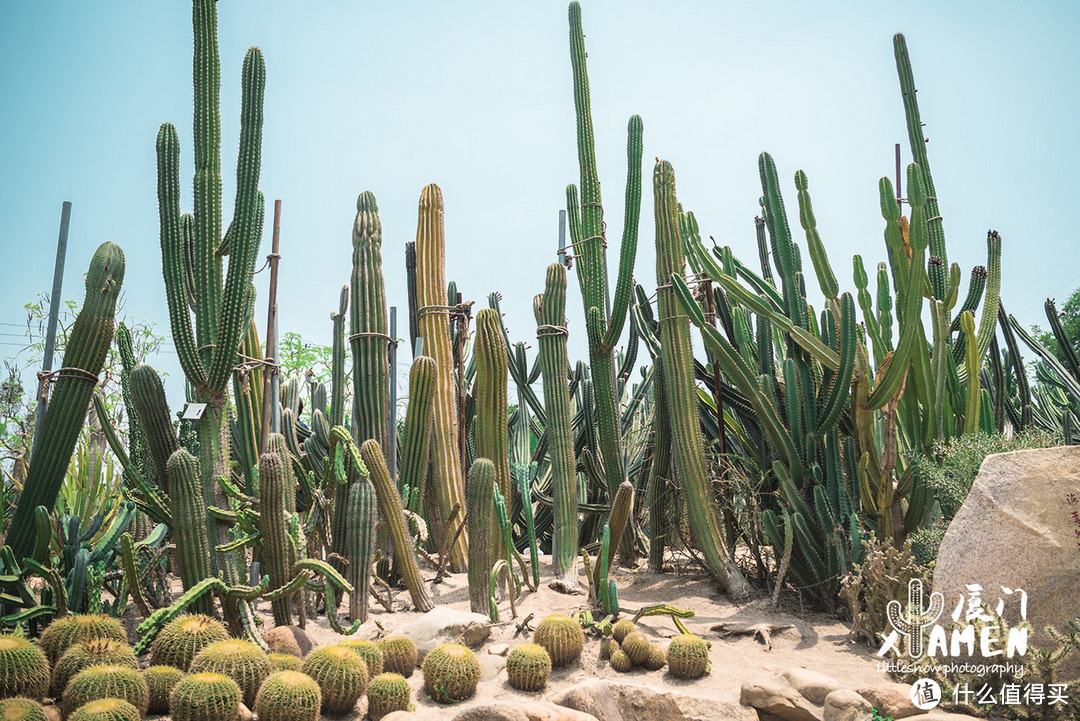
[477,97]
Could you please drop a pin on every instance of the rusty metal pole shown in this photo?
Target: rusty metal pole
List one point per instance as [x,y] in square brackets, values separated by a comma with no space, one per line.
[271,379]
[50,332]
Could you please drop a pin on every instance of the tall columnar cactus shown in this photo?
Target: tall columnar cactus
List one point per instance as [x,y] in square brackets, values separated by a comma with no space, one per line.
[337,361]
[551,334]
[152,411]
[248,395]
[192,263]
[394,515]
[73,385]
[489,350]
[368,327]
[274,524]
[416,445]
[587,236]
[620,514]
[433,316]
[480,519]
[688,451]
[137,450]
[360,545]
[189,524]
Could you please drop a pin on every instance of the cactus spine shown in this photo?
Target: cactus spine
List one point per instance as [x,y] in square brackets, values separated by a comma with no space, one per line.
[360,545]
[550,312]
[394,514]
[88,344]
[688,450]
[274,524]
[416,448]
[189,524]
[434,321]
[480,516]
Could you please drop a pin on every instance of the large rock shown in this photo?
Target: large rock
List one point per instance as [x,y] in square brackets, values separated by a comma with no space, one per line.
[292,640]
[812,685]
[446,625]
[1020,500]
[492,712]
[845,705]
[521,711]
[891,699]
[779,698]
[609,701]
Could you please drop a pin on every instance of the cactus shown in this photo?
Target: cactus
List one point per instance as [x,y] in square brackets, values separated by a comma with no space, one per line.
[527,667]
[24,709]
[182,639]
[87,347]
[620,514]
[288,696]
[242,661]
[205,697]
[341,674]
[24,669]
[551,334]
[562,637]
[688,656]
[106,682]
[433,320]
[490,425]
[656,659]
[152,410]
[360,545]
[274,524]
[106,709]
[637,647]
[387,692]
[369,652]
[284,662]
[83,655]
[67,631]
[608,646]
[622,629]
[588,242]
[620,661]
[161,680]
[392,511]
[688,451]
[416,445]
[480,520]
[451,673]
[399,654]
[189,524]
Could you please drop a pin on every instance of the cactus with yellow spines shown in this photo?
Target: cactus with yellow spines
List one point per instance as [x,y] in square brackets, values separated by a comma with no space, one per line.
[284,661]
[433,319]
[369,652]
[620,661]
[399,654]
[551,335]
[205,697]
[24,669]
[160,681]
[182,638]
[72,387]
[106,709]
[288,696]
[637,647]
[24,709]
[341,674]
[85,654]
[67,631]
[242,661]
[106,682]
[528,666]
[688,657]
[562,637]
[387,692]
[451,673]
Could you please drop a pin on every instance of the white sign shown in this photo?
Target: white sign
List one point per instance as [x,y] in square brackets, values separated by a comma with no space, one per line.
[194,411]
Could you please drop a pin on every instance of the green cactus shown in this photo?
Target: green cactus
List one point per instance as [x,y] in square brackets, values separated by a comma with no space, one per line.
[562,637]
[416,445]
[620,514]
[656,659]
[137,450]
[433,320]
[242,661]
[24,709]
[337,361]
[608,646]
[689,457]
[387,692]
[480,520]
[65,632]
[451,673]
[182,639]
[83,655]
[284,662]
[189,524]
[620,661]
[341,674]
[622,629]
[277,556]
[490,426]
[106,682]
[288,696]
[369,652]
[399,654]
[360,545]
[688,657]
[161,680]
[152,411]
[24,670]
[392,511]
[551,334]
[205,697]
[106,709]
[637,647]
[527,667]
[73,385]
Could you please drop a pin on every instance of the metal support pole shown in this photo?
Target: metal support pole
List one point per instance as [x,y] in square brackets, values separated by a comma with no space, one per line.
[561,250]
[271,419]
[899,194]
[54,314]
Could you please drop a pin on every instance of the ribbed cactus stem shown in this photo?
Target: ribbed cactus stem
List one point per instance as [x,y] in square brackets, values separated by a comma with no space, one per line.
[274,525]
[489,350]
[337,361]
[394,515]
[368,327]
[189,524]
[73,385]
[688,447]
[416,445]
[480,518]
[152,411]
[448,485]
[620,514]
[136,446]
[360,545]
[551,335]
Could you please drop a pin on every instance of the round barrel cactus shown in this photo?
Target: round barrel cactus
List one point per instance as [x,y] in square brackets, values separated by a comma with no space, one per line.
[451,673]
[341,674]
[528,666]
[288,696]
[688,656]
[622,629]
[106,682]
[86,654]
[183,637]
[22,709]
[562,637]
[284,661]
[242,661]
[387,692]
[67,631]
[399,654]
[636,647]
[161,680]
[205,697]
[24,670]
[369,652]
[106,709]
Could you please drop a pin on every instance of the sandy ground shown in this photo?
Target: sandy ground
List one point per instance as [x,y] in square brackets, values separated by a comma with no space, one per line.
[816,642]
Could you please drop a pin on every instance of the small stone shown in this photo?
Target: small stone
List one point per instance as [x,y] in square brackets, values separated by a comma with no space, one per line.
[400,716]
[778,697]
[53,713]
[891,699]
[244,714]
[498,649]
[490,666]
[812,685]
[846,705]
[292,640]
